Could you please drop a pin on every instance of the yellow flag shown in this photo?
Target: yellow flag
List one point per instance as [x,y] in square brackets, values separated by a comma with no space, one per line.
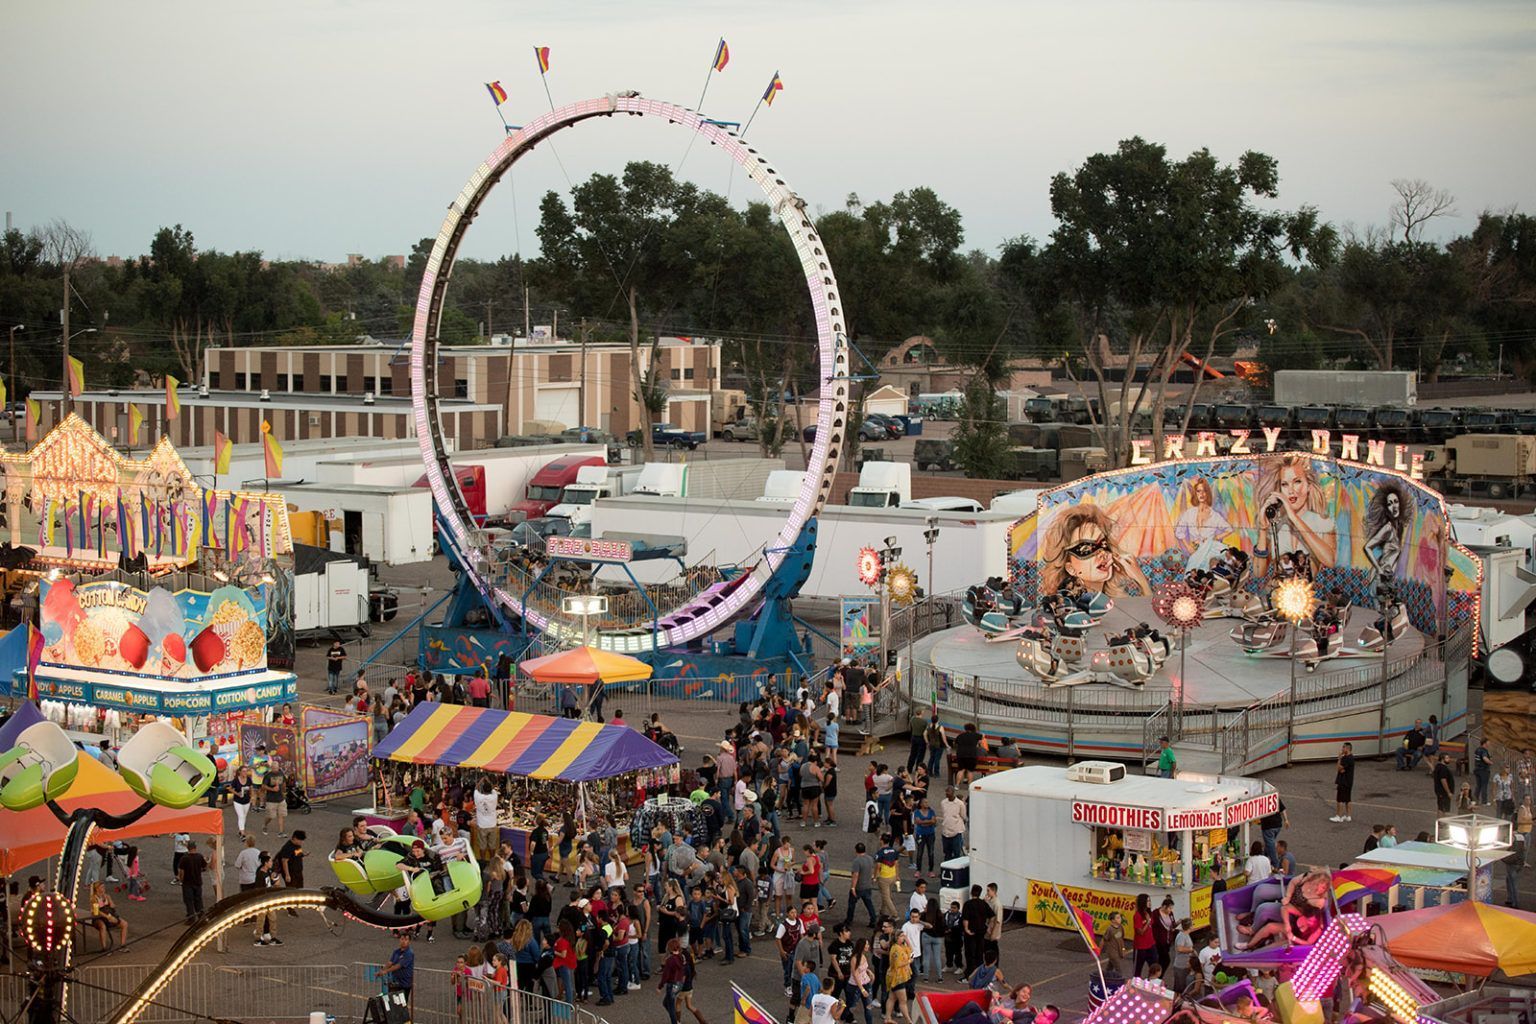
[34,417]
[272,451]
[2,393]
[76,377]
[172,401]
[223,450]
[135,421]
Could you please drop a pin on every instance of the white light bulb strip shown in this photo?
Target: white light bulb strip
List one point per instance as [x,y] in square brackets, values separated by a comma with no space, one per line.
[832,346]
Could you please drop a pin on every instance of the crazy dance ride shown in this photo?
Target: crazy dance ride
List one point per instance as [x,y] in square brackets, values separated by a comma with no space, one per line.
[514,604]
[1323,559]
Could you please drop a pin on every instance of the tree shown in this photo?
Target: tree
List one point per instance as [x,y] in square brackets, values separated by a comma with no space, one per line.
[981,431]
[1150,255]
[1418,203]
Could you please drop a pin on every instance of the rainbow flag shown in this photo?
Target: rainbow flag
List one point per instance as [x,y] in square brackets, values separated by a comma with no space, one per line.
[498,94]
[172,402]
[775,86]
[745,1009]
[1083,921]
[223,451]
[135,421]
[1353,883]
[34,417]
[272,451]
[541,54]
[722,55]
[34,656]
[76,377]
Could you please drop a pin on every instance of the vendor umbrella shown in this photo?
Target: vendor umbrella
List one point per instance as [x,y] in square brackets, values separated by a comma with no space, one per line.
[1350,884]
[586,665]
[1466,937]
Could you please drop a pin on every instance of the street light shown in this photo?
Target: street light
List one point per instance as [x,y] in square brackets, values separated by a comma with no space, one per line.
[1475,834]
[1294,601]
[584,605]
[69,399]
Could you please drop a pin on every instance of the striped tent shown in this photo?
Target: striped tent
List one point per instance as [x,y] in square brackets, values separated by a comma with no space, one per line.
[513,743]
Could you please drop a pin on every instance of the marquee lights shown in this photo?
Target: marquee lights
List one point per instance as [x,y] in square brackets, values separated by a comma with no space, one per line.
[1386,992]
[1319,972]
[1294,599]
[1138,1001]
[1175,448]
[45,922]
[869,566]
[902,584]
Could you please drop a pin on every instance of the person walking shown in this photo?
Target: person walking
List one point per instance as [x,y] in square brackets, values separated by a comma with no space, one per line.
[887,874]
[274,788]
[334,659]
[924,833]
[1142,937]
[861,884]
[190,874]
[917,728]
[974,917]
[1482,770]
[1183,956]
[1344,783]
[937,744]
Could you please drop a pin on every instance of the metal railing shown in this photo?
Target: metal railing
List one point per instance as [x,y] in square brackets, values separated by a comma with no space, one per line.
[1260,720]
[204,991]
[440,997]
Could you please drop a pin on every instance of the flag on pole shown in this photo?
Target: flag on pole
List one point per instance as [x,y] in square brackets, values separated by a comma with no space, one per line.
[722,55]
[223,451]
[135,421]
[172,402]
[541,54]
[69,533]
[2,392]
[1082,921]
[746,1010]
[272,451]
[775,86]
[34,417]
[122,524]
[209,540]
[498,94]
[45,524]
[76,377]
[34,656]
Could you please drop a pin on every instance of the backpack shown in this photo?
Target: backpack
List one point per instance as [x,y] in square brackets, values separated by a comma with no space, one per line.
[871,816]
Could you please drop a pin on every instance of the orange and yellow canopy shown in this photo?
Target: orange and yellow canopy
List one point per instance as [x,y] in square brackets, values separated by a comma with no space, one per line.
[586,665]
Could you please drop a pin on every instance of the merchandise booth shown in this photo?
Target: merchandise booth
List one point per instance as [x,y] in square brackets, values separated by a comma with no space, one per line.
[546,766]
[1105,836]
[323,750]
[152,596]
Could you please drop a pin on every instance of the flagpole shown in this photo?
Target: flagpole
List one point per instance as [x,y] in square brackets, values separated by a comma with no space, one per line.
[1078,925]
[748,125]
[544,77]
[707,76]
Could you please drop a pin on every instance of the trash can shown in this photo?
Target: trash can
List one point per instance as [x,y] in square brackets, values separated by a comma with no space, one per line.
[913,424]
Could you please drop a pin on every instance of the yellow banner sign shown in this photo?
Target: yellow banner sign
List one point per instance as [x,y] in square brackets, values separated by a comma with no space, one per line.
[1045,907]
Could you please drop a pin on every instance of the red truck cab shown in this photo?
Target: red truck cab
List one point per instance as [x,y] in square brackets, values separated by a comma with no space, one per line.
[547,484]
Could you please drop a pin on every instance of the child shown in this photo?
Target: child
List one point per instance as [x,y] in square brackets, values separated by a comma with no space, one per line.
[135,877]
[954,949]
[1464,798]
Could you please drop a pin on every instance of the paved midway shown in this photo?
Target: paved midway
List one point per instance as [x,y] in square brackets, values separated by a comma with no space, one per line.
[1055,962]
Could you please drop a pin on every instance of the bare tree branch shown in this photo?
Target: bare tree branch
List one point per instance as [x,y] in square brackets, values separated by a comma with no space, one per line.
[1418,202]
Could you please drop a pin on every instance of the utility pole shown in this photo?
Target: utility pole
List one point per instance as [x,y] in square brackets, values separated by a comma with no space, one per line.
[581,389]
[488,330]
[11,399]
[68,402]
[554,325]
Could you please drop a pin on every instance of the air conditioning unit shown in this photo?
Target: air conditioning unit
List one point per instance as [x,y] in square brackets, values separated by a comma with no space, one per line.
[1098,772]
[367,397]
[265,396]
[202,391]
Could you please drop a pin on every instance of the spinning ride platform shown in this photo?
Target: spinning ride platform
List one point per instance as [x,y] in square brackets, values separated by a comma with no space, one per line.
[971,679]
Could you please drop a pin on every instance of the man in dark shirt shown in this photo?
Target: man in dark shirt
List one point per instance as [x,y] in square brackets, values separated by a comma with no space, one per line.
[967,747]
[400,975]
[190,873]
[290,864]
[839,960]
[333,662]
[1412,749]
[975,916]
[1344,783]
[1445,784]
[1270,826]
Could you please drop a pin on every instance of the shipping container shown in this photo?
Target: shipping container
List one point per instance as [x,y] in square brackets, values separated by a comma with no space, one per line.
[1347,387]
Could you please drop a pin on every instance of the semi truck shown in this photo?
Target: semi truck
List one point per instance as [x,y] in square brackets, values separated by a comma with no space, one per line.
[494,480]
[882,485]
[716,478]
[546,486]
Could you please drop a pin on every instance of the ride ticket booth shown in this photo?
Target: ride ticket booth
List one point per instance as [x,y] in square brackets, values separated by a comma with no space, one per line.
[1104,836]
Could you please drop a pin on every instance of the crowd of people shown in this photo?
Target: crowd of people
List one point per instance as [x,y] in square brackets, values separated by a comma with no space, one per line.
[573,919]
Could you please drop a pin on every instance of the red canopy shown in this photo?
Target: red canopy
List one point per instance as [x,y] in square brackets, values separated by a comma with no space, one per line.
[27,837]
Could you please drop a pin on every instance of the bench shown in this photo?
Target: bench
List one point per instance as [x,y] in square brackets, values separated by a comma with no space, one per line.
[986,764]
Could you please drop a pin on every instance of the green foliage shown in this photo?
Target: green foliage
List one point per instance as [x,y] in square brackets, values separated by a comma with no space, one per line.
[981,432]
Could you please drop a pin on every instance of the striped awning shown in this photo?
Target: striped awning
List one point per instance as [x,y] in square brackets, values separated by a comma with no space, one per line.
[513,743]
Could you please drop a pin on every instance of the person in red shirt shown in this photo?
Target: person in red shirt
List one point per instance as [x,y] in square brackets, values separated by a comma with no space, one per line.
[565,961]
[479,690]
[1142,936]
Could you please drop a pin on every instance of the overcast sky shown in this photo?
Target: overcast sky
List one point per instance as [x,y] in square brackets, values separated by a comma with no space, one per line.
[310,130]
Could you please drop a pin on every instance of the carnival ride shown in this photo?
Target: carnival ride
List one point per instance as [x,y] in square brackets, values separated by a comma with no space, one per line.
[700,606]
[1268,631]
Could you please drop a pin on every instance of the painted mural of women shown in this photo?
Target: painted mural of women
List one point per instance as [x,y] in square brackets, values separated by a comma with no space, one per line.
[1201,530]
[1386,521]
[1293,513]
[1078,552]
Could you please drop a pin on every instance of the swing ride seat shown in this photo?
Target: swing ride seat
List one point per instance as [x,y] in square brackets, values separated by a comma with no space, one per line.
[436,895]
[161,766]
[378,870]
[40,767]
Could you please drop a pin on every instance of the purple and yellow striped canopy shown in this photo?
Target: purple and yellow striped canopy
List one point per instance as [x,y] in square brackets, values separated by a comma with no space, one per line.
[513,743]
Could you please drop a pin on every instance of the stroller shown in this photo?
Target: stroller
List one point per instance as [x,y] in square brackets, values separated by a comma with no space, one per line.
[298,800]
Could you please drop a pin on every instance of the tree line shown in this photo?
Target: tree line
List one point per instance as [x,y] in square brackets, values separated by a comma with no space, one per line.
[1153,258]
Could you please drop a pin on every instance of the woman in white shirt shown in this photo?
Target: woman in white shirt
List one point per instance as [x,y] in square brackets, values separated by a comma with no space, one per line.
[1258,865]
[615,872]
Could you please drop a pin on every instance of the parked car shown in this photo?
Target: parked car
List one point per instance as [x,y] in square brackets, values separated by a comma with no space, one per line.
[740,430]
[666,435]
[585,435]
[893,426]
[934,454]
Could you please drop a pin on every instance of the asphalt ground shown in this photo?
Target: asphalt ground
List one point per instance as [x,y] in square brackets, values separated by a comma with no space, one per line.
[1055,962]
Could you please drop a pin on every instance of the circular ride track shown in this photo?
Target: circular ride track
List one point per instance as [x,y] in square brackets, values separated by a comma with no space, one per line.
[698,613]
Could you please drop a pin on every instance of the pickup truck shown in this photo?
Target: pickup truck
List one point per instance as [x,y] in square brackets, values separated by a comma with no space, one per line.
[665,435]
[740,430]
